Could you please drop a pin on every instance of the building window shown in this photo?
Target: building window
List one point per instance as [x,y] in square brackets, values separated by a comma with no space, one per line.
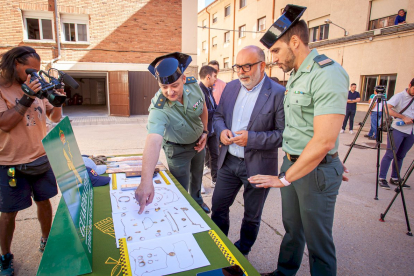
[214,41]
[319,33]
[75,27]
[242,31]
[242,3]
[261,24]
[226,37]
[382,22]
[204,24]
[369,83]
[215,18]
[226,63]
[204,46]
[227,11]
[38,25]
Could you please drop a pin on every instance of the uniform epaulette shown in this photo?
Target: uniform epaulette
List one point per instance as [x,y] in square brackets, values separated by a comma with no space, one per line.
[190,80]
[161,101]
[323,60]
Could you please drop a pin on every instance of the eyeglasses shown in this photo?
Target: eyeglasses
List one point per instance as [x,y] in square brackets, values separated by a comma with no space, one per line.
[245,67]
[11,172]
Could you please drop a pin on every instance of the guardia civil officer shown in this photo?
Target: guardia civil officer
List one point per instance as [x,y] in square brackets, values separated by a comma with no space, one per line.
[178,122]
[311,173]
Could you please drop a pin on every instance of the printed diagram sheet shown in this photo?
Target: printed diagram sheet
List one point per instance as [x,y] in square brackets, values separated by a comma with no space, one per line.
[157,223]
[165,195]
[158,257]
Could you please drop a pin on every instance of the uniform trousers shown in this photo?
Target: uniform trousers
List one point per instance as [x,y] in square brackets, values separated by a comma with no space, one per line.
[231,177]
[308,206]
[186,165]
[212,152]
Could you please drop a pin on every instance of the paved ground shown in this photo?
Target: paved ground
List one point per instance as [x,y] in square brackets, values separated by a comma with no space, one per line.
[364,245]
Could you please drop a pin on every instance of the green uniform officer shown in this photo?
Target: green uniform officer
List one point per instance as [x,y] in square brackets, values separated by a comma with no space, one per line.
[311,173]
[178,122]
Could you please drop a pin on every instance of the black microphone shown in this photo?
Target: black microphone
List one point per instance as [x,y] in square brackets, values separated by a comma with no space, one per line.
[69,80]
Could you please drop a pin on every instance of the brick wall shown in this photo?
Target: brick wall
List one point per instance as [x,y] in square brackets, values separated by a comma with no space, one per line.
[124,31]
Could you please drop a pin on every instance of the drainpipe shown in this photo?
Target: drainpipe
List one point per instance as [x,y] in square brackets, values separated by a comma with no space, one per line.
[270,53]
[57,35]
[208,47]
[234,36]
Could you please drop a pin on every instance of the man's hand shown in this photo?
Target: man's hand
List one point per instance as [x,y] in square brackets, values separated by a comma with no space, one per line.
[344,177]
[201,143]
[241,139]
[407,120]
[266,181]
[61,91]
[225,137]
[144,194]
[34,85]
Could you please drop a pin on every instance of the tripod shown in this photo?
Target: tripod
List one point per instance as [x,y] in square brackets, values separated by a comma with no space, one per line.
[379,99]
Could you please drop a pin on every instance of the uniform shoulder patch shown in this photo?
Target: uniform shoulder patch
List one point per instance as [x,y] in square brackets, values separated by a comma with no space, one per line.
[160,102]
[323,61]
[190,80]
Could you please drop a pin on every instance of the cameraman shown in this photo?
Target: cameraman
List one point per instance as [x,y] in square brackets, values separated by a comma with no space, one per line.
[401,107]
[22,127]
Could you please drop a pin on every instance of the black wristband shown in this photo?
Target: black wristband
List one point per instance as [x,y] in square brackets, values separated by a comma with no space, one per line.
[26,101]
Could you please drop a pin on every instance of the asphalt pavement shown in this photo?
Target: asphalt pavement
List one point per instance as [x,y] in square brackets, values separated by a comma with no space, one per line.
[364,245]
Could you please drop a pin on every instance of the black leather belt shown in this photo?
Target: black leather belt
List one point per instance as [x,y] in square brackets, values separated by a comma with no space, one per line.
[294,158]
[177,144]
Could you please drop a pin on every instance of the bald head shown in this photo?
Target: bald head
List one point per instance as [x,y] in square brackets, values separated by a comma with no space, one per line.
[253,49]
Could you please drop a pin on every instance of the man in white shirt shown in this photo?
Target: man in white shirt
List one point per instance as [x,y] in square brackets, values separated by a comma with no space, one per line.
[402,134]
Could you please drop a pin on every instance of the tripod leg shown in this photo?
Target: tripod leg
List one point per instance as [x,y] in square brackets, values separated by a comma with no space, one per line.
[361,125]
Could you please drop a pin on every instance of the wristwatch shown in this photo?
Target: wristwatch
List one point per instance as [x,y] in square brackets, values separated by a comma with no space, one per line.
[283,179]
[206,132]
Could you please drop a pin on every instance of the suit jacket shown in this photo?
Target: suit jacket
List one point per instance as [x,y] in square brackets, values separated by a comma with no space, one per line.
[211,106]
[265,127]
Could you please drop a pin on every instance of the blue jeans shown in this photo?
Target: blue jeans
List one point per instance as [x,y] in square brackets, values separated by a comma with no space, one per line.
[374,123]
[403,143]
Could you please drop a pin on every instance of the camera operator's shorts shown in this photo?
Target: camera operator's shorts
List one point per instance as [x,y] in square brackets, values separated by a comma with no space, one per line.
[39,187]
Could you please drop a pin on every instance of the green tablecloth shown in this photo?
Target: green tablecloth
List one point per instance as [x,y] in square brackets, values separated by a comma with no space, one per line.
[63,250]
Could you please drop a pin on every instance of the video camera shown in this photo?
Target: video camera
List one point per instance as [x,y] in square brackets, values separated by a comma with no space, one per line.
[380,89]
[48,88]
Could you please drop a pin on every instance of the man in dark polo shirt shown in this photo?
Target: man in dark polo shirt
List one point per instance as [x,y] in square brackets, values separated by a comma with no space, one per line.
[353,99]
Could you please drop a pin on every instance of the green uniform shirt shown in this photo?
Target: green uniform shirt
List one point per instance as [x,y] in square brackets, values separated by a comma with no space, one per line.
[317,88]
[166,120]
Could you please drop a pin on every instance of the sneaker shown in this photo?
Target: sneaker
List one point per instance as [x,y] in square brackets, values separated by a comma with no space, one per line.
[206,170]
[6,265]
[372,138]
[351,132]
[42,245]
[342,131]
[384,184]
[213,184]
[395,182]
[203,191]
[367,136]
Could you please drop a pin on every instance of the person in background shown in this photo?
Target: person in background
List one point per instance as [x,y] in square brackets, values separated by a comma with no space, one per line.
[401,17]
[403,134]
[351,107]
[219,85]
[208,76]
[376,115]
[22,128]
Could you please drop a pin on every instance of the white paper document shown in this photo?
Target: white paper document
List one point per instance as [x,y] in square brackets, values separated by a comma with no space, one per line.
[156,223]
[166,256]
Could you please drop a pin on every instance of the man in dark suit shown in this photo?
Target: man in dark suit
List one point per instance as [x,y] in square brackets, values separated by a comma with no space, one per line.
[208,76]
[250,122]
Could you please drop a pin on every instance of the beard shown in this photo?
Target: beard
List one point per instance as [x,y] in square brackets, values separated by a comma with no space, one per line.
[287,66]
